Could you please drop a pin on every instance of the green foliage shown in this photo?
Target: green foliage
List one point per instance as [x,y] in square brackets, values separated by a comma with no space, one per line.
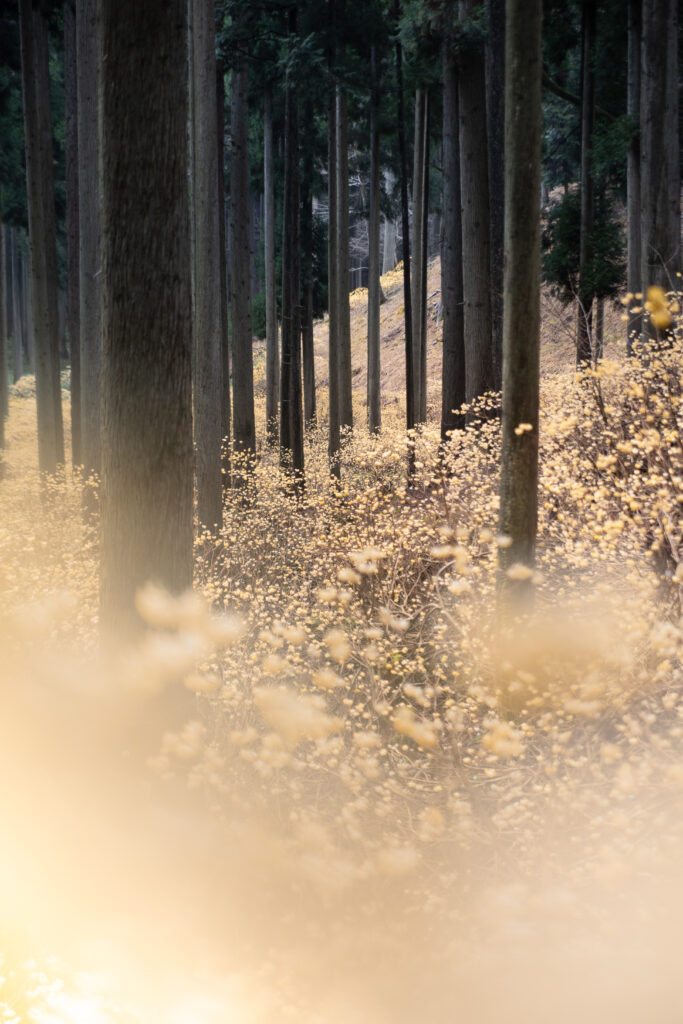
[610,146]
[603,273]
[12,169]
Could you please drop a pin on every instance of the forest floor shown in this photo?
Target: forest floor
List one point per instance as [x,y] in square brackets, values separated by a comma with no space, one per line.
[558,339]
[332,785]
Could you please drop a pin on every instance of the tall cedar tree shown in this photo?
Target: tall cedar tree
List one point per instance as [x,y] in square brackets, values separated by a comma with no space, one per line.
[453,370]
[146,291]
[4,378]
[223,276]
[17,319]
[272,354]
[495,125]
[389,247]
[373,394]
[332,274]
[291,417]
[72,233]
[418,253]
[659,148]
[42,232]
[405,224]
[474,193]
[343,286]
[521,323]
[89,240]
[586,291]
[633,273]
[27,314]
[307,272]
[240,261]
[208,338]
[424,263]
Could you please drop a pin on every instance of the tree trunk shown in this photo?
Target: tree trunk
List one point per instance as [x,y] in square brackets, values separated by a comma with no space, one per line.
[479,375]
[9,305]
[4,377]
[405,223]
[308,353]
[417,239]
[422,407]
[586,295]
[599,328]
[634,277]
[659,149]
[243,364]
[42,232]
[90,326]
[272,355]
[223,272]
[495,122]
[374,407]
[343,290]
[255,222]
[332,285]
[208,384]
[72,232]
[61,320]
[453,370]
[521,332]
[307,274]
[389,244]
[17,307]
[146,358]
[29,325]
[291,419]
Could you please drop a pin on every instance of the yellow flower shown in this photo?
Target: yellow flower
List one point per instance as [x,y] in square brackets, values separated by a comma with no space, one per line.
[657,306]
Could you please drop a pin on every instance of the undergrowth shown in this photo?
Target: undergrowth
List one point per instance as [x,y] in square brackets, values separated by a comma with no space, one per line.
[396,753]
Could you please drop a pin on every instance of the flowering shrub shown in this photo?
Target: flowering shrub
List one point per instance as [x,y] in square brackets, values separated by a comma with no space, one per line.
[397,776]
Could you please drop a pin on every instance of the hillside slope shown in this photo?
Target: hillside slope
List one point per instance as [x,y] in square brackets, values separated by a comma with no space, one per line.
[557,340]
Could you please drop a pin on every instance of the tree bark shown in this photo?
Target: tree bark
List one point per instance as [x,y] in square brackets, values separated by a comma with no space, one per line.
[599,328]
[422,406]
[332,286]
[61,320]
[659,149]
[453,369]
[208,384]
[389,244]
[586,295]
[474,185]
[308,352]
[29,325]
[9,306]
[634,278]
[4,376]
[343,289]
[17,306]
[291,419]
[72,232]
[495,122]
[417,247]
[146,359]
[373,395]
[521,332]
[223,274]
[307,275]
[90,327]
[405,224]
[240,279]
[42,232]
[272,354]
